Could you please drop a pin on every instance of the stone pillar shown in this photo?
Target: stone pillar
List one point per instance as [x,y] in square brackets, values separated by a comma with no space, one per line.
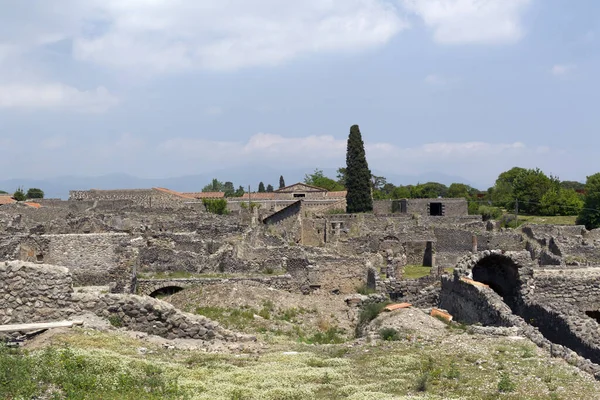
[474,244]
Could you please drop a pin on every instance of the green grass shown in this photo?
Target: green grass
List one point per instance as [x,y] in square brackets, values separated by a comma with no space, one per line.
[416,271]
[557,220]
[102,365]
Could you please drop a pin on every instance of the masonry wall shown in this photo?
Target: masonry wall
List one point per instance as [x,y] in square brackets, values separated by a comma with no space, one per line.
[33,293]
[92,259]
[151,198]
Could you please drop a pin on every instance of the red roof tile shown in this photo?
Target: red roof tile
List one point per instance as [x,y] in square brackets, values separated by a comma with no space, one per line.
[337,194]
[392,307]
[259,196]
[32,204]
[172,192]
[6,199]
[206,195]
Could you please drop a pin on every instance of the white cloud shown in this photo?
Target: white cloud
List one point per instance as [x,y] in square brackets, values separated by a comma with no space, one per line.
[55,96]
[562,69]
[323,149]
[434,79]
[54,142]
[471,21]
[173,35]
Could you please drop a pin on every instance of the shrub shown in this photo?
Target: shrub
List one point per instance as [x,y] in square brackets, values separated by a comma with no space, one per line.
[115,321]
[216,206]
[389,334]
[19,195]
[488,212]
[364,290]
[330,336]
[505,384]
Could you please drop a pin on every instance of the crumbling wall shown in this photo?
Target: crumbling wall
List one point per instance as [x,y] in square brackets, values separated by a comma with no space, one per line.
[33,292]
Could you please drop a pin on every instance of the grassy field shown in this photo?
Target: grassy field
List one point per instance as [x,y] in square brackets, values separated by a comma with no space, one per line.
[95,365]
[557,220]
[416,271]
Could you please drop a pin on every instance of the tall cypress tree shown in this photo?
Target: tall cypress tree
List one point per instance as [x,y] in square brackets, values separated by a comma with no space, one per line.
[261,187]
[281,182]
[358,175]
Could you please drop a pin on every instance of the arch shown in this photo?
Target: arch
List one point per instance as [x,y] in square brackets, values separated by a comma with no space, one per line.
[166,290]
[501,274]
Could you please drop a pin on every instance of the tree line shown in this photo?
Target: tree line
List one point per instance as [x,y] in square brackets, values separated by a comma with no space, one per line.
[21,195]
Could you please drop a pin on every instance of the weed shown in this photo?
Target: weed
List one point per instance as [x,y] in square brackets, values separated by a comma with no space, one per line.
[116,321]
[453,372]
[330,336]
[364,290]
[389,334]
[505,384]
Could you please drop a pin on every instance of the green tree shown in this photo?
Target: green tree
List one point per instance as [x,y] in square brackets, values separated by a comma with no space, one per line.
[35,193]
[261,187]
[319,179]
[502,194]
[402,192]
[214,186]
[572,185]
[3,192]
[269,188]
[281,182]
[590,214]
[358,175]
[429,190]
[239,192]
[216,206]
[529,187]
[228,189]
[19,195]
[559,201]
[341,176]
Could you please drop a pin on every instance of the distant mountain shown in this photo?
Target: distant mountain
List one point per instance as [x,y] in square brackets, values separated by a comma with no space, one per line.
[250,175]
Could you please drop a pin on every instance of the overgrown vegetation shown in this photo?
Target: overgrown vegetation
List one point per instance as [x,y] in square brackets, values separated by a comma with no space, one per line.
[216,206]
[364,289]
[415,271]
[68,374]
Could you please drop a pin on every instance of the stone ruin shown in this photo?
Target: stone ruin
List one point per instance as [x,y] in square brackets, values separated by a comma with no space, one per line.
[541,280]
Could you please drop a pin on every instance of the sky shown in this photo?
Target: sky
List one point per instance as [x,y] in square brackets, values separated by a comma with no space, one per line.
[165,88]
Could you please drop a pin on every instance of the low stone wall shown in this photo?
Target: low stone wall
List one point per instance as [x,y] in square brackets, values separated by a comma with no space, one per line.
[43,293]
[33,292]
[152,316]
[148,286]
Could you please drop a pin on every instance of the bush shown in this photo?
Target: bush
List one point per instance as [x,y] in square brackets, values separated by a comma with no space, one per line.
[488,212]
[505,384]
[364,290]
[115,321]
[35,193]
[368,314]
[216,206]
[389,334]
[19,195]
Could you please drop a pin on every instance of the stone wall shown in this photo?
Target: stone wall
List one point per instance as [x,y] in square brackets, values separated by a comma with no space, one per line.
[151,198]
[33,292]
[451,207]
[149,286]
[93,259]
[152,316]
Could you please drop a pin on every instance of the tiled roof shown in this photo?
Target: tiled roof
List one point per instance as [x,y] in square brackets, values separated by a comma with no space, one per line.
[172,192]
[284,189]
[337,194]
[206,195]
[6,199]
[32,204]
[260,196]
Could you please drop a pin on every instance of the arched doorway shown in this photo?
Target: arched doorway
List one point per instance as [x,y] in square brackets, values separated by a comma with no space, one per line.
[502,275]
[165,291]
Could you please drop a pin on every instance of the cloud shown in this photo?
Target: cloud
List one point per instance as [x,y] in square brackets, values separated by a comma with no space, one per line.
[173,35]
[562,69]
[434,80]
[55,96]
[471,21]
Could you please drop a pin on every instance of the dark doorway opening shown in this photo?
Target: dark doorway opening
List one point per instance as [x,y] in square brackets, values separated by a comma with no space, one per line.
[299,195]
[501,274]
[436,209]
[594,314]
[166,291]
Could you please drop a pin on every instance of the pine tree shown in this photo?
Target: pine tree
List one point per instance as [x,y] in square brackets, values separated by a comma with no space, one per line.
[281,182]
[269,188]
[261,187]
[358,175]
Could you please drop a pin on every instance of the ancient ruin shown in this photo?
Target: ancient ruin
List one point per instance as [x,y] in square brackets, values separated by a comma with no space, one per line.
[137,245]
